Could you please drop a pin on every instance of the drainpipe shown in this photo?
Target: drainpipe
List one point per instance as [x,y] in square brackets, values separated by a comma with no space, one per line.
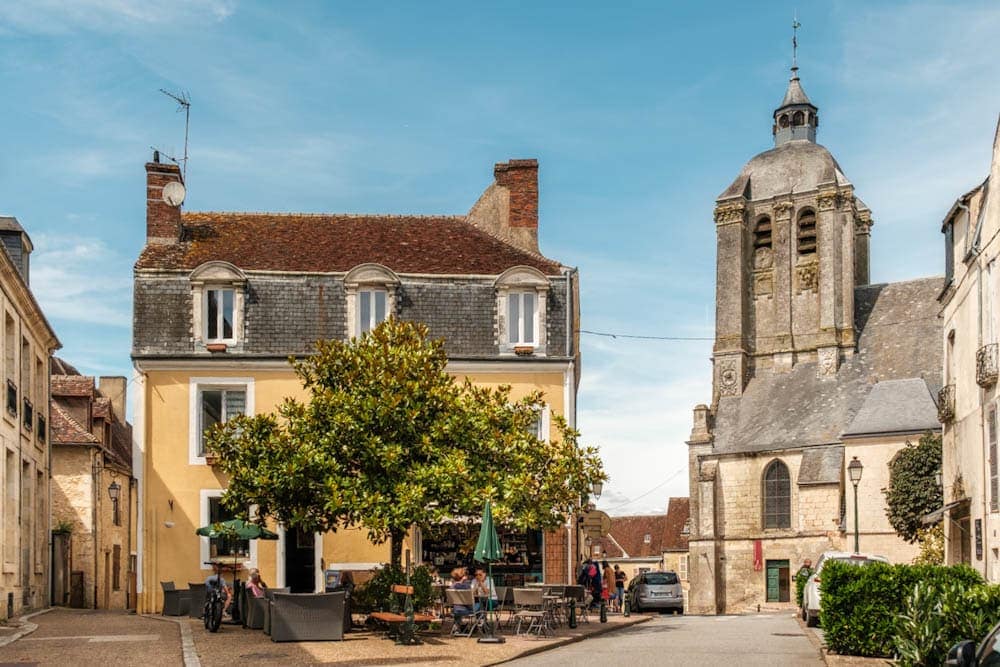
[95,497]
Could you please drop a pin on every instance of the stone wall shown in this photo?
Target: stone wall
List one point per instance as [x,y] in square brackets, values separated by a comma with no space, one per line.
[73,502]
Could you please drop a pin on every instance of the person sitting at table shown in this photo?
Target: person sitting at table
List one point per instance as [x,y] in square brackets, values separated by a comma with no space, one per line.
[460,582]
[255,584]
[483,588]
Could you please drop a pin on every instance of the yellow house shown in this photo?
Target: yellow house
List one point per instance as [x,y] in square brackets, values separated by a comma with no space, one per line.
[221,300]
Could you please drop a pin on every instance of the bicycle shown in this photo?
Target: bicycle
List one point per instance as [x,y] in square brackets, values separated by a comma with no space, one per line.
[215,600]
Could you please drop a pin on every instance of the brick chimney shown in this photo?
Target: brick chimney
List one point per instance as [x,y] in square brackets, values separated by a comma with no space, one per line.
[163,221]
[508,209]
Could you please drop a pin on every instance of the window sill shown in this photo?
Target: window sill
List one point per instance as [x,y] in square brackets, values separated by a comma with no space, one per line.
[216,347]
[524,350]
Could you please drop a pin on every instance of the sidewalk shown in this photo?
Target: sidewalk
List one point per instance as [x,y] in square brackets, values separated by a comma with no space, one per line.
[68,637]
[815,635]
[233,645]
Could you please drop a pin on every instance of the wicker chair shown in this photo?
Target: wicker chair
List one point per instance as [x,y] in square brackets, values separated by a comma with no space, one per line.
[175,602]
[307,617]
[197,599]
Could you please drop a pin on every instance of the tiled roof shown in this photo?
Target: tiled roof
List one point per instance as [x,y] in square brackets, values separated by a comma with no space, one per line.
[62,367]
[102,407]
[678,515]
[337,243]
[67,431]
[628,535]
[72,385]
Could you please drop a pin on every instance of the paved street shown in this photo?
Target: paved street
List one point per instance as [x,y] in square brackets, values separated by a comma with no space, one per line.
[767,639]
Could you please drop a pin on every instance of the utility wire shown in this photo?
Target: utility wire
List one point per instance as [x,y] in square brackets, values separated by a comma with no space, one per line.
[619,335]
[658,486]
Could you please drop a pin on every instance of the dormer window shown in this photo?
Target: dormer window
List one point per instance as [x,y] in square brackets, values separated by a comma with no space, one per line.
[371,297]
[219,315]
[647,538]
[217,290]
[522,292]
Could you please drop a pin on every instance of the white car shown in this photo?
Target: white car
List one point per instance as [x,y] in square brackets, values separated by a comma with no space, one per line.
[810,593]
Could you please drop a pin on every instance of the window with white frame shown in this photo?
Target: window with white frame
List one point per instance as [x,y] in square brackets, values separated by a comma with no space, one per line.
[220,320]
[223,549]
[372,308]
[216,401]
[540,425]
[682,567]
[522,318]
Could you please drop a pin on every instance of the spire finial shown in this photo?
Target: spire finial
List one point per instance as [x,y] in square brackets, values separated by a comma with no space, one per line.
[795,44]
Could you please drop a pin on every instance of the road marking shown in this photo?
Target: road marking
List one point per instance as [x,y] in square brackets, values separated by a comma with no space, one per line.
[96,639]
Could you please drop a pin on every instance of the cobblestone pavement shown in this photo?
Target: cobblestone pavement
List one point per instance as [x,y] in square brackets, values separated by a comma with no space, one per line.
[70,637]
[765,640]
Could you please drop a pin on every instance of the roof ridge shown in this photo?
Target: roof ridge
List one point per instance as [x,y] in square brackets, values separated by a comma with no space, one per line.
[359,216]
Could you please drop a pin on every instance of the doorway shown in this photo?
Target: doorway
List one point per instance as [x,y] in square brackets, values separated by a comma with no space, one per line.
[777,581]
[300,561]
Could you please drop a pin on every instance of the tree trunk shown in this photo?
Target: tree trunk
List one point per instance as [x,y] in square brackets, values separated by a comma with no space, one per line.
[396,537]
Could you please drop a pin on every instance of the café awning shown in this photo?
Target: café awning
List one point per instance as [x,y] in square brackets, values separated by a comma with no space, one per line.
[937,515]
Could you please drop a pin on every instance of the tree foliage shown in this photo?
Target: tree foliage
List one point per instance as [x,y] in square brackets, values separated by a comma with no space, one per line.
[913,490]
[388,439]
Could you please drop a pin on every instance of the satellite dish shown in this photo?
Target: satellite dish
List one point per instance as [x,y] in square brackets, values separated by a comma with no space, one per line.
[173,193]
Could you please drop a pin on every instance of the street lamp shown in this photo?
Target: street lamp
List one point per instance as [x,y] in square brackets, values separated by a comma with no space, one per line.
[597,487]
[113,492]
[854,469]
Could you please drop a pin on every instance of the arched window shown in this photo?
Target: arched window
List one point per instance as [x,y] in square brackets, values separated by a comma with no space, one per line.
[783,121]
[799,118]
[807,233]
[777,496]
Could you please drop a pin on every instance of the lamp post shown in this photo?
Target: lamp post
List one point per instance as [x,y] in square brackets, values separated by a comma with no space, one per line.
[113,492]
[854,469]
[596,488]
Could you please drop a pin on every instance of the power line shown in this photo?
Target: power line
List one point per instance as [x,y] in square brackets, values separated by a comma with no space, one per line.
[638,337]
[655,488]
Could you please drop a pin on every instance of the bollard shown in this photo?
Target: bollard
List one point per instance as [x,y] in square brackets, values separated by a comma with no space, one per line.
[604,611]
[572,613]
[625,606]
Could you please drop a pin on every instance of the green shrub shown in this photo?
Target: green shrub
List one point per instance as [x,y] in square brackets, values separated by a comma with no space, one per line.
[859,605]
[376,594]
[936,617]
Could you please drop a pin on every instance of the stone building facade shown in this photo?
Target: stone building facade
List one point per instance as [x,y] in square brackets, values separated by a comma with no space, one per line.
[804,348]
[221,300]
[969,399]
[93,491]
[27,344]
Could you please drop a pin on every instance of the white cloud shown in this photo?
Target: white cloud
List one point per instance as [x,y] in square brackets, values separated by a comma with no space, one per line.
[81,280]
[54,17]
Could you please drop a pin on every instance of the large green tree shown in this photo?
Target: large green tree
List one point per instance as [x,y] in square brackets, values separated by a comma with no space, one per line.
[389,439]
[913,490]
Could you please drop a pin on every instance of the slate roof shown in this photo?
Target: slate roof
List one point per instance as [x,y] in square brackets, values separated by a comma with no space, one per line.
[896,406]
[899,337]
[337,243]
[795,94]
[794,166]
[821,465]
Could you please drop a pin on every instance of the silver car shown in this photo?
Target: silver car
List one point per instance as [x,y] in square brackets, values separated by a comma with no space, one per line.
[656,590]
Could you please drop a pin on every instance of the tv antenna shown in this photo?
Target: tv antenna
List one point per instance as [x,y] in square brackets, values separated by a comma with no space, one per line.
[183,103]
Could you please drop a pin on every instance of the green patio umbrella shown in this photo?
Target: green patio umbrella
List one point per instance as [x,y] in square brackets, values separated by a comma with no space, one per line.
[488,551]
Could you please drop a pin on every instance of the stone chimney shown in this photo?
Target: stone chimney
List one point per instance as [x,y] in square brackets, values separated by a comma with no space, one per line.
[508,209]
[163,221]
[113,388]
[17,244]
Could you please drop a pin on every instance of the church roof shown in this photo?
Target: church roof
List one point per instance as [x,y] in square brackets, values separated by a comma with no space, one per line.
[792,167]
[821,465]
[795,94]
[896,406]
[899,338]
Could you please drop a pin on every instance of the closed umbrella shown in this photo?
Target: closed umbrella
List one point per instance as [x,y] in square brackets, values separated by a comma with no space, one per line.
[488,551]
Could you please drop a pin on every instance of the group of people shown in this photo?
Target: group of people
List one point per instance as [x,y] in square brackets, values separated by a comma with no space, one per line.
[216,582]
[603,582]
[481,586]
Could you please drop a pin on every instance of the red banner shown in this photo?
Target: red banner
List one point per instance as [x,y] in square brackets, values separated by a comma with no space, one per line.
[758,556]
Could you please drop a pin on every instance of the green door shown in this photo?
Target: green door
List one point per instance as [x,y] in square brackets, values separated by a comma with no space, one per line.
[777,581]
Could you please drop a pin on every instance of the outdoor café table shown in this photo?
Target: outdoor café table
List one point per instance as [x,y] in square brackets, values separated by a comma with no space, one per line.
[553,607]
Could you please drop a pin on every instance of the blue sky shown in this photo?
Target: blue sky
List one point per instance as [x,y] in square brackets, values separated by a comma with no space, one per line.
[639,117]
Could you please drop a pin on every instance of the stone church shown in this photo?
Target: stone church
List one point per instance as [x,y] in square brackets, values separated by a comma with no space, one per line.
[812,367]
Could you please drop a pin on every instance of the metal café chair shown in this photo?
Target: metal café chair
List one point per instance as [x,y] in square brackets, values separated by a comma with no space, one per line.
[464,623]
[555,599]
[578,595]
[531,608]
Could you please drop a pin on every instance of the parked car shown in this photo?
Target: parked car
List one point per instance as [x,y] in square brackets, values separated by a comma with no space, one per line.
[810,593]
[656,590]
[964,654]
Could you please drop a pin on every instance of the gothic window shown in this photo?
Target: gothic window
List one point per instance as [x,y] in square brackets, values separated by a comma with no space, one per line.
[799,118]
[777,496]
[807,233]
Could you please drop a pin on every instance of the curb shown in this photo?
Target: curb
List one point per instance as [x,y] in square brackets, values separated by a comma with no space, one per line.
[188,651]
[572,640]
[26,627]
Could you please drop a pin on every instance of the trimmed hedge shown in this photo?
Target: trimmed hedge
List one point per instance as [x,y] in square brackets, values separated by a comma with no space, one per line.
[935,619]
[859,605]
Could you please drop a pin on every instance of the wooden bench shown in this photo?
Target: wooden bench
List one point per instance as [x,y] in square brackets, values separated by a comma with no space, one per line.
[393,622]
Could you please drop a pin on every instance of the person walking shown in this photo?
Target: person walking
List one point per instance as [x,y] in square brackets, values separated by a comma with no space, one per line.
[608,578]
[619,587]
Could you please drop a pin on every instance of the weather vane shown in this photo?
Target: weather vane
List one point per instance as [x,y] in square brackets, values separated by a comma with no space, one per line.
[795,41]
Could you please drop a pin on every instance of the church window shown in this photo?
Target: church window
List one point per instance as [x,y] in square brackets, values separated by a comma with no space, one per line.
[777,496]
[799,118]
[807,233]
[783,121]
[762,234]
